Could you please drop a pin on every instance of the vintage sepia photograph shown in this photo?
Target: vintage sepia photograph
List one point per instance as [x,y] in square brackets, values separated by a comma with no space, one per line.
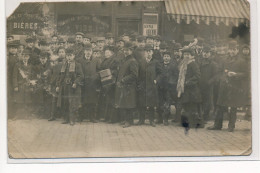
[112,79]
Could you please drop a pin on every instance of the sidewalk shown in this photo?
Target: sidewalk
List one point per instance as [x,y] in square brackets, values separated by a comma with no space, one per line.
[38,138]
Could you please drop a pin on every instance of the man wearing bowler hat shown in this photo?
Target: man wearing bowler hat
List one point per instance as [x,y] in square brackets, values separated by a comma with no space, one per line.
[231,91]
[78,47]
[34,51]
[125,94]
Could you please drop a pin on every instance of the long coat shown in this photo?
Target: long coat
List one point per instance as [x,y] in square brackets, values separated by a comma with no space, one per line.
[108,91]
[67,77]
[79,51]
[125,94]
[34,57]
[147,88]
[11,61]
[168,80]
[91,80]
[21,76]
[191,86]
[231,91]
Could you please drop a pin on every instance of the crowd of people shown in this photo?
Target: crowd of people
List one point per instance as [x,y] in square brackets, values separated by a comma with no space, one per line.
[119,79]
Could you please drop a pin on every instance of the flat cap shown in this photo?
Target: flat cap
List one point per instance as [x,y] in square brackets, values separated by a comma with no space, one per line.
[44,54]
[30,39]
[70,51]
[163,46]
[148,47]
[88,46]
[79,33]
[26,52]
[129,45]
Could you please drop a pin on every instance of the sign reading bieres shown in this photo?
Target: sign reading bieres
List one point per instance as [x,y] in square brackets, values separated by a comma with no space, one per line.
[24,23]
[150,24]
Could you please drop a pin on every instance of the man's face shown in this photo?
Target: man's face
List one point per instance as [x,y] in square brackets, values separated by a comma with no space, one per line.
[101,43]
[108,54]
[62,53]
[121,44]
[206,54]
[88,52]
[10,39]
[20,48]
[141,43]
[127,51]
[54,39]
[233,51]
[149,53]
[30,44]
[86,40]
[157,43]
[70,57]
[110,41]
[246,51]
[26,57]
[166,58]
[13,50]
[186,55]
[43,60]
[93,45]
[79,38]
[149,41]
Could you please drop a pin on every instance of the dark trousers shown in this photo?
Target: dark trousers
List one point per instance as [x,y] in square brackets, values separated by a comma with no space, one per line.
[127,115]
[88,111]
[206,102]
[149,111]
[70,109]
[191,116]
[232,117]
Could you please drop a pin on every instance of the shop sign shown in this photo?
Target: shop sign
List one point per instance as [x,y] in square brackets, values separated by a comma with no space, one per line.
[23,23]
[70,24]
[150,24]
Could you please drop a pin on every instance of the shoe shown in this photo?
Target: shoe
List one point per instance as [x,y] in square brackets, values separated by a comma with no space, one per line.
[127,124]
[65,122]
[230,129]
[152,124]
[213,128]
[51,119]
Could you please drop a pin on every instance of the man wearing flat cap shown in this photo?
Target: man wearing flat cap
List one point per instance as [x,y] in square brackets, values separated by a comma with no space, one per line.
[110,40]
[125,94]
[78,47]
[68,87]
[34,58]
[151,73]
[231,91]
[208,76]
[177,54]
[91,84]
[23,84]
[12,59]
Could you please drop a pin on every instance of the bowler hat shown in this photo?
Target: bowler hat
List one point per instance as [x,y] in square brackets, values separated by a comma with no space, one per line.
[69,51]
[30,40]
[44,54]
[14,43]
[148,47]
[88,46]
[163,46]
[177,46]
[79,33]
[187,49]
[111,48]
[166,53]
[43,42]
[140,38]
[26,52]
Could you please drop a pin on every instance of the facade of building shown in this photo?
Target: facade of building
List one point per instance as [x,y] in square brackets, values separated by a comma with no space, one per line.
[172,19]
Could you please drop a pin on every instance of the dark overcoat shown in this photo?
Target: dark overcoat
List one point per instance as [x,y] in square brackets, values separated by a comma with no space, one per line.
[91,80]
[34,56]
[12,59]
[232,92]
[191,86]
[65,81]
[125,94]
[168,80]
[24,93]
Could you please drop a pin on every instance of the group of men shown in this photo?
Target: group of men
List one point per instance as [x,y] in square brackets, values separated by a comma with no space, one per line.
[114,80]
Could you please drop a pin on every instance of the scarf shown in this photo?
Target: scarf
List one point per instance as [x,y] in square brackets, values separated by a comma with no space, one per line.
[71,66]
[182,74]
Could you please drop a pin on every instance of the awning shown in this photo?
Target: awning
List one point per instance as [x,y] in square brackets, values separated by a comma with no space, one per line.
[226,11]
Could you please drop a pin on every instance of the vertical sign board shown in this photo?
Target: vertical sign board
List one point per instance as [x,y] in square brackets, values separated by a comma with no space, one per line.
[150,24]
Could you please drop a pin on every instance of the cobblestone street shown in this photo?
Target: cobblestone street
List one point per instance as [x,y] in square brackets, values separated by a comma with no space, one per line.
[38,138]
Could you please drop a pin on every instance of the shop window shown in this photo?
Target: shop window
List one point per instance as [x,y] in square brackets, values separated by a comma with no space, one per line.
[127,26]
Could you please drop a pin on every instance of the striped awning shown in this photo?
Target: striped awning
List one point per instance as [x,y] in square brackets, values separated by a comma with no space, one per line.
[226,11]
